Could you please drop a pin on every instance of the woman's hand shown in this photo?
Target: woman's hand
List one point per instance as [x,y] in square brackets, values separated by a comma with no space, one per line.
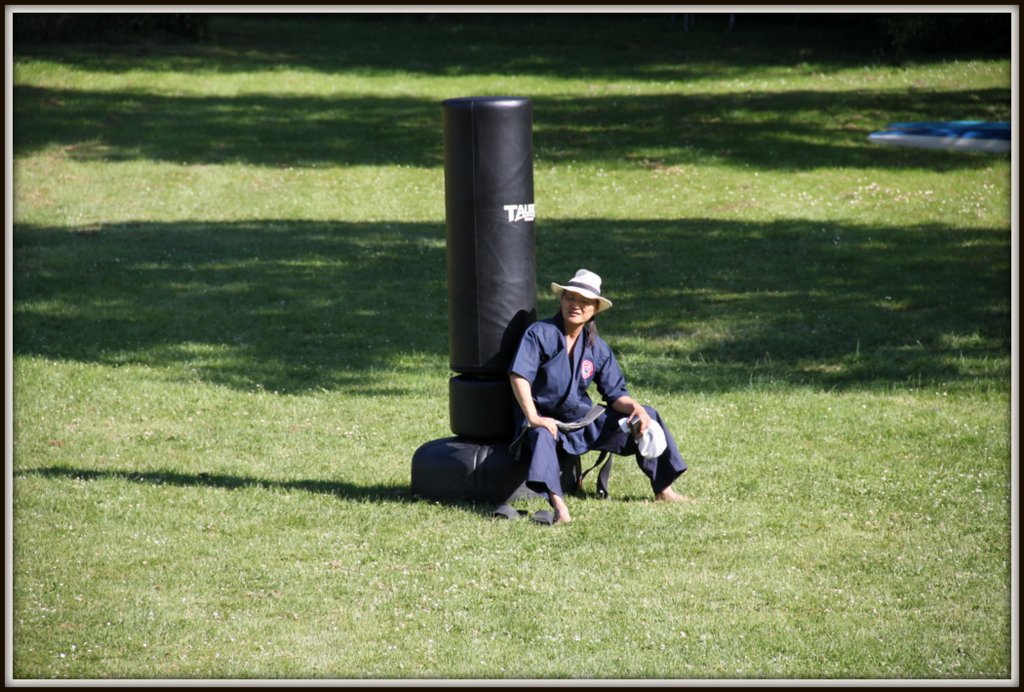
[543,422]
[626,406]
[645,419]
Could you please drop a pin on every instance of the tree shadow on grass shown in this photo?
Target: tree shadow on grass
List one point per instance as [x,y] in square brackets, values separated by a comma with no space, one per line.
[701,305]
[285,306]
[790,131]
[708,305]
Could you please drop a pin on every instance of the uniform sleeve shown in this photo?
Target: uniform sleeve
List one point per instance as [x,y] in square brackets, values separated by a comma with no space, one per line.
[611,383]
[528,356]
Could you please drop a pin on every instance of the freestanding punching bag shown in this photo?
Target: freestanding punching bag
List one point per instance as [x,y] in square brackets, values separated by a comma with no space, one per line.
[489,233]
[489,217]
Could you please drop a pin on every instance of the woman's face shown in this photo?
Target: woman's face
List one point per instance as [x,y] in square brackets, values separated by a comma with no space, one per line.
[577,310]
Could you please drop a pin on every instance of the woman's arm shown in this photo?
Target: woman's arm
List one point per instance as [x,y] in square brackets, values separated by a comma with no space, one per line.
[523,391]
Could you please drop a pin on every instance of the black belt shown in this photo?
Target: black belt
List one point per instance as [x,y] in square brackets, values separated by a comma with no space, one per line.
[593,414]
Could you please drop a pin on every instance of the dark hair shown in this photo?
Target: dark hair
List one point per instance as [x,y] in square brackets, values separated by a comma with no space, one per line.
[591,329]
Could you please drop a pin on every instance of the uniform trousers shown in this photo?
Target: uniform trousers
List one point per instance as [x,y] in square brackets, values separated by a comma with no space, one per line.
[540,449]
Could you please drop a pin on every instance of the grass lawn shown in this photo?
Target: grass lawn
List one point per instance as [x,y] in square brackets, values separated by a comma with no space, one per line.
[230,337]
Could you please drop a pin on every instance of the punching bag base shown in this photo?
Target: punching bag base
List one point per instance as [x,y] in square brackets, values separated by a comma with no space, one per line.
[456,468]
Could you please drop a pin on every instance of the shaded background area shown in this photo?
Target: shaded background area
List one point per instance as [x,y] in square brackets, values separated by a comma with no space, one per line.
[889,34]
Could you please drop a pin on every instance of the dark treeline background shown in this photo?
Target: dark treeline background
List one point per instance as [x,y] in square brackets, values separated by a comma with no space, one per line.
[891,34]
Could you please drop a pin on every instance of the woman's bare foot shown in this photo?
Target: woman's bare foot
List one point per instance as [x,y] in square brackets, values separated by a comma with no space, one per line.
[670,495]
[561,511]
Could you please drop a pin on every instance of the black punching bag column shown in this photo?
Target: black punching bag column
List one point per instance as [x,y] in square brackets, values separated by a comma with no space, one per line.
[492,295]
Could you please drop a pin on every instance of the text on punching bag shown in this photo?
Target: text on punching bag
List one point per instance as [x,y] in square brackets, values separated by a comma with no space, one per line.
[519,212]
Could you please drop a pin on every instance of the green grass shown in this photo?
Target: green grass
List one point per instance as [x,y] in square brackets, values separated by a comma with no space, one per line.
[230,336]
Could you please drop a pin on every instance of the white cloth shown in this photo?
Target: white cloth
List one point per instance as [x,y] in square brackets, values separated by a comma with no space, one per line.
[652,443]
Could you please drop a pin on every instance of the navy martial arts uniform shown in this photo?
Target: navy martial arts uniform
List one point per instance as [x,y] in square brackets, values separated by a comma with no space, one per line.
[560,392]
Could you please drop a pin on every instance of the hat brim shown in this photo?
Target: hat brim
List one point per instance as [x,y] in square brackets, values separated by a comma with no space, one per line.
[602,303]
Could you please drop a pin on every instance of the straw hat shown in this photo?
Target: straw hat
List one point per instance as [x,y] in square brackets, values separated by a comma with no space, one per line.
[587,284]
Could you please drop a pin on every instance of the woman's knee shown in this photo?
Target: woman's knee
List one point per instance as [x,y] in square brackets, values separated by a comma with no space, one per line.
[652,412]
[540,439]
